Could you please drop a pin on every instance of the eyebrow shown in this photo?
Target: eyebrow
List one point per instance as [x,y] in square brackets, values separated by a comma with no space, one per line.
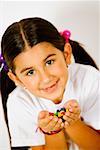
[49,56]
[28,68]
[25,69]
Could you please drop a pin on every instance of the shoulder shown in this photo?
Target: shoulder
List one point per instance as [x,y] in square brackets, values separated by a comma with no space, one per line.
[22,119]
[84,72]
[82,67]
[20,99]
[19,92]
[85,79]
[20,106]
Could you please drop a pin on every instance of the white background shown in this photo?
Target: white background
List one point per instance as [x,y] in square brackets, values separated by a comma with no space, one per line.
[82,18]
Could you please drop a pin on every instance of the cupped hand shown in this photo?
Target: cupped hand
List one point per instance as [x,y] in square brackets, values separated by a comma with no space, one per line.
[72,113]
[49,122]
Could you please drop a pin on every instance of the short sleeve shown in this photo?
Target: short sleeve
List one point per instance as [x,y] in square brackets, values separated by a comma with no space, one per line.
[22,120]
[91,108]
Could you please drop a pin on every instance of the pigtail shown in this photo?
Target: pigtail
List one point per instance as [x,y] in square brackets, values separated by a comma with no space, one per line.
[6,86]
[80,54]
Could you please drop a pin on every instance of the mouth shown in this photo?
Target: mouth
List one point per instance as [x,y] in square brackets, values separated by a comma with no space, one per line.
[51,88]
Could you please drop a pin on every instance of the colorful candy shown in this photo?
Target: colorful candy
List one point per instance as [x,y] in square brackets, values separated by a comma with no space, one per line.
[59,113]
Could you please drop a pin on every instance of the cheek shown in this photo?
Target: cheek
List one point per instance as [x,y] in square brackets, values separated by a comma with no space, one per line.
[61,69]
[31,84]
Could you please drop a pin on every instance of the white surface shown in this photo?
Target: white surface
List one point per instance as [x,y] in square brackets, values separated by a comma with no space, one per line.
[4,137]
[81,17]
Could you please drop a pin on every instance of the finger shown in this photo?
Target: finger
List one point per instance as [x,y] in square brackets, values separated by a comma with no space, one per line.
[71,103]
[73,107]
[74,103]
[75,110]
[43,122]
[59,125]
[68,120]
[74,116]
[43,114]
[50,126]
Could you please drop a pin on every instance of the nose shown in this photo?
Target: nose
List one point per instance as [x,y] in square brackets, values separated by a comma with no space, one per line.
[45,76]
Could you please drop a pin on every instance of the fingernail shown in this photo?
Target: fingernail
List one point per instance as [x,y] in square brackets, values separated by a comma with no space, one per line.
[62,125]
[71,110]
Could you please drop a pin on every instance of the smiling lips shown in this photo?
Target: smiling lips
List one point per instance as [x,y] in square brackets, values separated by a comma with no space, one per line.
[51,88]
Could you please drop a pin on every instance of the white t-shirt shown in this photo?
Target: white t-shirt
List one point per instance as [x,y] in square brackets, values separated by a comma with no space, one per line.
[23,107]
[4,136]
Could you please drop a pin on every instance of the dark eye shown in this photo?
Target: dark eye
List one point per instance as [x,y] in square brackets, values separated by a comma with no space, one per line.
[30,72]
[49,62]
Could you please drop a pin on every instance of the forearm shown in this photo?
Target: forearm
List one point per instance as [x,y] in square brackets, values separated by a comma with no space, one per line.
[56,142]
[85,137]
[53,142]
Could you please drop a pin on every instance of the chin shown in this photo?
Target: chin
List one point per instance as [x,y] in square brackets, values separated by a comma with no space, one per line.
[55,99]
[54,96]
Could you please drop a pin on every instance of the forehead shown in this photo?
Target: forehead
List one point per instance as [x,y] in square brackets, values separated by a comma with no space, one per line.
[35,54]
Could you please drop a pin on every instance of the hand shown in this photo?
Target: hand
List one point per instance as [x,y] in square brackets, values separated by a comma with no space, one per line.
[72,112]
[49,122]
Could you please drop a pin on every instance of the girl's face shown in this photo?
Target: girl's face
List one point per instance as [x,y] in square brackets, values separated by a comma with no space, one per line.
[42,69]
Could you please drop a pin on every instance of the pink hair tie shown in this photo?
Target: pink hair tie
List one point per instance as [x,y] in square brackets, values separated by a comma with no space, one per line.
[66,34]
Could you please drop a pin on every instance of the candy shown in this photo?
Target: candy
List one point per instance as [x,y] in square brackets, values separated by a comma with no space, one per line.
[56,113]
[67,109]
[59,113]
[51,114]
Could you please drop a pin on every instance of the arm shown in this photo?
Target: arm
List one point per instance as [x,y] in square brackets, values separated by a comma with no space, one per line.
[54,142]
[86,137]
[51,123]
[83,135]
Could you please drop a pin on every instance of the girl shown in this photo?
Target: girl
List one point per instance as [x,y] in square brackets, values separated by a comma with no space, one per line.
[38,58]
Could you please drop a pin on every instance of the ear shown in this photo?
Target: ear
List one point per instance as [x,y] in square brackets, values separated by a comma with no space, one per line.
[67,53]
[14,78]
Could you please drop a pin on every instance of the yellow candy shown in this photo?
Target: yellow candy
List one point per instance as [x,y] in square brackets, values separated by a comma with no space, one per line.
[67,109]
[61,113]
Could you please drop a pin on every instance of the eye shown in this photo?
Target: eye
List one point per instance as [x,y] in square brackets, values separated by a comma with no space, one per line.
[49,62]
[30,72]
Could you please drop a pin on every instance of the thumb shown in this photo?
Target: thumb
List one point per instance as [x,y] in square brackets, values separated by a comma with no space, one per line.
[43,114]
[71,103]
